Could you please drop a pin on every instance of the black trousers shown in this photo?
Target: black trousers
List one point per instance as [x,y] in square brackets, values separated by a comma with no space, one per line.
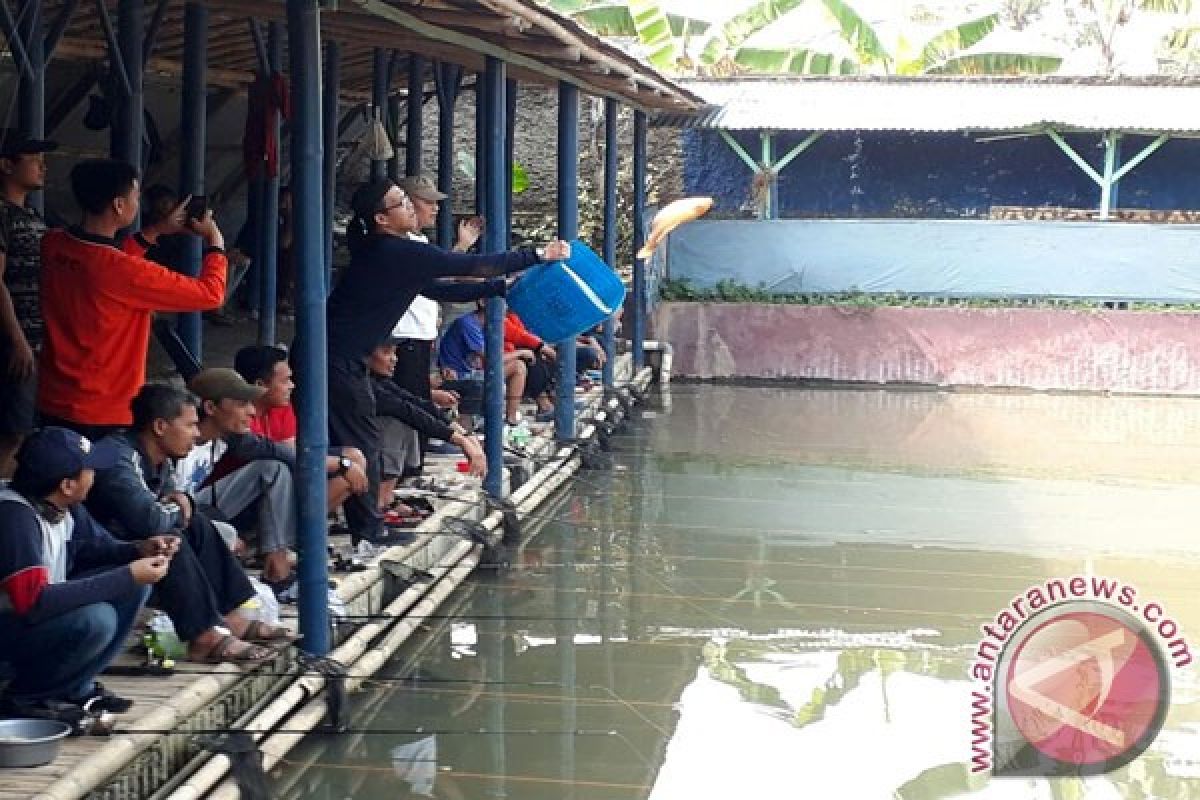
[414,357]
[93,432]
[203,583]
[541,376]
[353,423]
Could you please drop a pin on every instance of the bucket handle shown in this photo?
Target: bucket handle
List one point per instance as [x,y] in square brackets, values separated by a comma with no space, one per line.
[587,290]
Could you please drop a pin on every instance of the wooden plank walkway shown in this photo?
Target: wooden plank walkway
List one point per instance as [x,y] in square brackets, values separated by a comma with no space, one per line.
[205,687]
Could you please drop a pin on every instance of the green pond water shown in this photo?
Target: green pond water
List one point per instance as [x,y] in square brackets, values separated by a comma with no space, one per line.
[777,593]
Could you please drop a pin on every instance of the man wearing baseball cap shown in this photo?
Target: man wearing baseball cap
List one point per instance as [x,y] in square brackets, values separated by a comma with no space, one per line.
[22,171]
[69,591]
[258,490]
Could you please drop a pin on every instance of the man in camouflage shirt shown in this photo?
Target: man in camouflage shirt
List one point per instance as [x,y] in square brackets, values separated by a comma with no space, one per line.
[22,171]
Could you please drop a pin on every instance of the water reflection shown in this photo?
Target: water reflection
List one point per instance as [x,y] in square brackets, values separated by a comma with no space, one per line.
[770,597]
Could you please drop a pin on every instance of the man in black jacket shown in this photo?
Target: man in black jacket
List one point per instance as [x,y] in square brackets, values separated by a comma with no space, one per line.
[138,497]
[70,591]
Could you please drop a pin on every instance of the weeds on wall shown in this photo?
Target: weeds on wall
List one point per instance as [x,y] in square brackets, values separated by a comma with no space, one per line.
[726,291]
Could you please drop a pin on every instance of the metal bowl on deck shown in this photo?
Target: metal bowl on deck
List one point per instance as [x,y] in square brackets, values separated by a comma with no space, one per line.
[30,742]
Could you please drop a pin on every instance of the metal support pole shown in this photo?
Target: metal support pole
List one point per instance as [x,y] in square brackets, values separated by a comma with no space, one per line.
[414,138]
[481,143]
[16,45]
[268,240]
[1112,160]
[637,317]
[449,78]
[127,127]
[304,47]
[610,224]
[193,120]
[330,111]
[511,89]
[58,28]
[493,374]
[568,228]
[379,103]
[768,168]
[31,89]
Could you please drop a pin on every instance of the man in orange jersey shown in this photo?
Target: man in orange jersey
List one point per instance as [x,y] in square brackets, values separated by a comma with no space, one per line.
[97,300]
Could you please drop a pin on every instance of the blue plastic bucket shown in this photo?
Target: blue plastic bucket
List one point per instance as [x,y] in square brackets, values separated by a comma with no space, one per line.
[562,299]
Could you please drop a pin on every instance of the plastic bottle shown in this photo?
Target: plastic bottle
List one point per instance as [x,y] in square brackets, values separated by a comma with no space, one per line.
[162,643]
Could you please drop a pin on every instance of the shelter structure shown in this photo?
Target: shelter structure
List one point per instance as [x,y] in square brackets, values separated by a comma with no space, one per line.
[301,60]
[989,109]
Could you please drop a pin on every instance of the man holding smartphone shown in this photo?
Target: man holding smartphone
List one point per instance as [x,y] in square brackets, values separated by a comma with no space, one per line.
[98,299]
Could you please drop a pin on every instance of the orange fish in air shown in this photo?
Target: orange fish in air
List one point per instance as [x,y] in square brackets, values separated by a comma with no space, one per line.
[670,217]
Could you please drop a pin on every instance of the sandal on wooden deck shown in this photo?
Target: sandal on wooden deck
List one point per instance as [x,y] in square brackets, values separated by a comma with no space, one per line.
[225,651]
[259,631]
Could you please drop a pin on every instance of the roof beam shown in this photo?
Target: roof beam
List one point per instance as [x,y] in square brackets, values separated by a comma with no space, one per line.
[415,23]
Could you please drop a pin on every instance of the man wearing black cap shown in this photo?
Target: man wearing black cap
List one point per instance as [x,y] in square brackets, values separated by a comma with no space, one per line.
[22,171]
[70,591]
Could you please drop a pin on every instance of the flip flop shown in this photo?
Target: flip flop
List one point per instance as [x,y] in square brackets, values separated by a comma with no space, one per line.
[223,652]
[259,631]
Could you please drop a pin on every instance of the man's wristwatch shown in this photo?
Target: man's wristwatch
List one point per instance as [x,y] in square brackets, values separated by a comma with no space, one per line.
[344,465]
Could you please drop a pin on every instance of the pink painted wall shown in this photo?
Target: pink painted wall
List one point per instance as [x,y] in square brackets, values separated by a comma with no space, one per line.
[1119,351]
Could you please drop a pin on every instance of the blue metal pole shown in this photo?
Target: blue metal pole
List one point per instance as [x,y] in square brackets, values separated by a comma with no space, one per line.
[568,228]
[415,122]
[268,240]
[31,89]
[610,224]
[493,374]
[304,46]
[192,123]
[449,76]
[253,280]
[481,145]
[330,111]
[126,142]
[379,102]
[511,90]
[637,320]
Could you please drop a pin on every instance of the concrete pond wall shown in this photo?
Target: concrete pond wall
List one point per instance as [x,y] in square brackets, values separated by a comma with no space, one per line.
[1040,349]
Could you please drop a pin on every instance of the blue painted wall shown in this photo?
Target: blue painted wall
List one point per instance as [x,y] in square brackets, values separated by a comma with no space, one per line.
[936,175]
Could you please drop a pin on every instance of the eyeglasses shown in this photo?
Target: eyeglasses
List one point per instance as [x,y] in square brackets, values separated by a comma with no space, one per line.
[405,203]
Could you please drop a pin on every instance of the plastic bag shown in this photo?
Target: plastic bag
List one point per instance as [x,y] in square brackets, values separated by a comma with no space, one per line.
[263,606]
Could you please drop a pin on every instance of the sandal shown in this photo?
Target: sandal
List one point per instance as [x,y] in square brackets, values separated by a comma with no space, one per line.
[225,652]
[259,631]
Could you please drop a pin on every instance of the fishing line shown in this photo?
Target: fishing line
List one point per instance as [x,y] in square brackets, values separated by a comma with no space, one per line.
[341,767]
[418,731]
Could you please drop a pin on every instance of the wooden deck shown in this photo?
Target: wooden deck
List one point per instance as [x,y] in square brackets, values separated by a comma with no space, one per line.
[153,746]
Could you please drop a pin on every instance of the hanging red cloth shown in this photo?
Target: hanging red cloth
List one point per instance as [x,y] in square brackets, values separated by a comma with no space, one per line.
[260,146]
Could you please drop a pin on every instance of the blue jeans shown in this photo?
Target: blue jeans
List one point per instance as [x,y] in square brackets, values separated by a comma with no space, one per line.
[59,658]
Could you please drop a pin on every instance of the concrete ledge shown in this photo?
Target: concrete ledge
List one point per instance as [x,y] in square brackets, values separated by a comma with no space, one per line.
[1039,349]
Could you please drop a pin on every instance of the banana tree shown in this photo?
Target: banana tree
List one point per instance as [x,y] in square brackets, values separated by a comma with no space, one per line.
[840,40]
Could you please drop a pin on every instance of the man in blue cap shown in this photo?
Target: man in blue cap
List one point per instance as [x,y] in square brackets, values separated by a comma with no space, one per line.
[69,591]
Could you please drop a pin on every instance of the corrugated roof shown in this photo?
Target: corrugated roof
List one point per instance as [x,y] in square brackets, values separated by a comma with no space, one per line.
[938,104]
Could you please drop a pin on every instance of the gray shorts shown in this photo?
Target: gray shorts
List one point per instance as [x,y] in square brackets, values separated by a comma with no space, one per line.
[401,450]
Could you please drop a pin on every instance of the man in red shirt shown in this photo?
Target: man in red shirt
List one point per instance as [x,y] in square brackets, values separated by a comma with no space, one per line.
[275,419]
[97,301]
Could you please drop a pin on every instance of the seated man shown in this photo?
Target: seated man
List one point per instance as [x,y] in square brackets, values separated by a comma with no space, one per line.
[71,592]
[275,419]
[461,358]
[137,498]
[539,358]
[403,416]
[260,493]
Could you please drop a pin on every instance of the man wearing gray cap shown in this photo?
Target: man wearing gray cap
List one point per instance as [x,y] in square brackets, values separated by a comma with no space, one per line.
[22,171]
[241,476]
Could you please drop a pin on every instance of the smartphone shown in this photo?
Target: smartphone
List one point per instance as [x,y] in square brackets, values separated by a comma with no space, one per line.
[197,207]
